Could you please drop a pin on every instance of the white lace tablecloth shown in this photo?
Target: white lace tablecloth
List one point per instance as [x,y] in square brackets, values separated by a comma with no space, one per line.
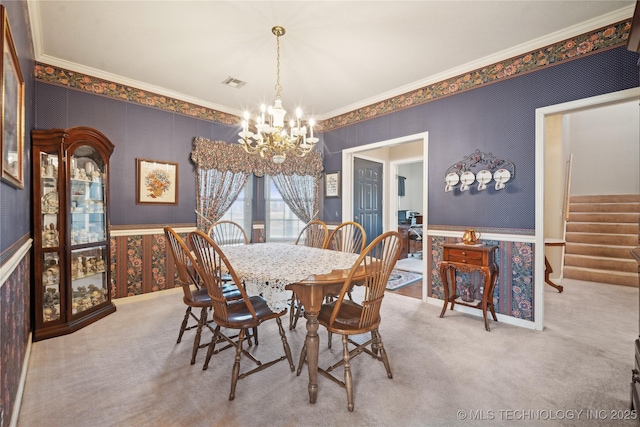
[266,268]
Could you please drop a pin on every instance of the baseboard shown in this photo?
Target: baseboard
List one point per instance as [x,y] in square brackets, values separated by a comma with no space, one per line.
[142,297]
[23,379]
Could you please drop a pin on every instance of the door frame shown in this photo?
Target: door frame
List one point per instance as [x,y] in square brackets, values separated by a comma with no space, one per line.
[390,190]
[541,114]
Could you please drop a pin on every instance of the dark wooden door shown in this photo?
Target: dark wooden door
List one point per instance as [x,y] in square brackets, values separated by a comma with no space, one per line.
[367,196]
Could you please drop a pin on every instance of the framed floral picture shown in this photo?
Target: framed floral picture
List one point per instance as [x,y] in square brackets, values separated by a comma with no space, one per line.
[12,122]
[156,182]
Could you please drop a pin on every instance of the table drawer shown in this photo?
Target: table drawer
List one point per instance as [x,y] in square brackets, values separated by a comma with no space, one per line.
[463,256]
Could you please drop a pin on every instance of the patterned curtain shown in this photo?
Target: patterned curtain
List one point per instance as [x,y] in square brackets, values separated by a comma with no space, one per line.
[300,193]
[217,190]
[223,169]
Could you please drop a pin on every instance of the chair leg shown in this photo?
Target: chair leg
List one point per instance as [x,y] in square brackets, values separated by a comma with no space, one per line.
[285,343]
[211,349]
[329,336]
[255,334]
[303,358]
[236,364]
[348,381]
[294,312]
[383,352]
[183,327]
[196,341]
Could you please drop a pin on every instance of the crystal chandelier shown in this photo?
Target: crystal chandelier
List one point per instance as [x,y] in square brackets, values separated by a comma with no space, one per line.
[271,138]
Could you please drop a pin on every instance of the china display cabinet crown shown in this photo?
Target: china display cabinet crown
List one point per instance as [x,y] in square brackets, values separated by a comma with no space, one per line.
[71,229]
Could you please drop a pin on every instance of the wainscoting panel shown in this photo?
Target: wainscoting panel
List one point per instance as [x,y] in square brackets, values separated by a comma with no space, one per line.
[15,322]
[141,264]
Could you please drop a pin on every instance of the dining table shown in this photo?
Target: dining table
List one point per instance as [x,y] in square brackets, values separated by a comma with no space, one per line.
[273,270]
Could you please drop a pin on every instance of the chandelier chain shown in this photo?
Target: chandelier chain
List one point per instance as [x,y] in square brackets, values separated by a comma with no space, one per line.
[278,87]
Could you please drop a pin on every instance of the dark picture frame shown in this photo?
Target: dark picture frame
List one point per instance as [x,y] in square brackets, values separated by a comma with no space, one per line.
[332,185]
[156,182]
[12,121]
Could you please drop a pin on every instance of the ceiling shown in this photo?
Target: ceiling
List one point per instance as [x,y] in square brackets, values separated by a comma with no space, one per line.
[336,56]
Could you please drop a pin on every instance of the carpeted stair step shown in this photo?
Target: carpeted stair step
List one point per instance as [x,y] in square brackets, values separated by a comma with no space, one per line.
[613,251]
[599,227]
[601,276]
[600,233]
[603,239]
[607,198]
[601,263]
[605,207]
[610,217]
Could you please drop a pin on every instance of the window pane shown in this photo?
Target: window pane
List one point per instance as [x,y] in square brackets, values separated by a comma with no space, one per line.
[281,223]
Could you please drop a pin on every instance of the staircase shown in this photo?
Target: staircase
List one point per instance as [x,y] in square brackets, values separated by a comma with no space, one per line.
[600,234]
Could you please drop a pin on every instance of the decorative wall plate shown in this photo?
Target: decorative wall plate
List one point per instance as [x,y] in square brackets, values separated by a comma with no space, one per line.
[483,177]
[452,180]
[466,179]
[501,176]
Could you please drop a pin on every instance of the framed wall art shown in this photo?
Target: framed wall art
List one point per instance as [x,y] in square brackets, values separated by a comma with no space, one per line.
[332,184]
[12,121]
[156,182]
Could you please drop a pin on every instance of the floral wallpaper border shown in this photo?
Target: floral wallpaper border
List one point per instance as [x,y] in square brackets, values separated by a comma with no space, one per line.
[595,41]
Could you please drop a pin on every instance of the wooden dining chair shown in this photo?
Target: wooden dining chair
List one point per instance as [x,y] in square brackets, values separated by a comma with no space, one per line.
[242,314]
[193,295]
[228,233]
[345,317]
[315,234]
[347,237]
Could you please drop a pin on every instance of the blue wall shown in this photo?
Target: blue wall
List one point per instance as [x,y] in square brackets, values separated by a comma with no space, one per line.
[15,204]
[498,118]
[137,132]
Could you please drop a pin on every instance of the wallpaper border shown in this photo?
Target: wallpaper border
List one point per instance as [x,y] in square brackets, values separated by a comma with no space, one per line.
[595,41]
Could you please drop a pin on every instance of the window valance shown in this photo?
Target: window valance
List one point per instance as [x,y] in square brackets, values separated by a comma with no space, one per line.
[208,154]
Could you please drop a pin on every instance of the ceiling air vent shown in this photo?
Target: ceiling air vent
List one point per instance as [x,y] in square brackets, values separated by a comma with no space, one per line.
[235,83]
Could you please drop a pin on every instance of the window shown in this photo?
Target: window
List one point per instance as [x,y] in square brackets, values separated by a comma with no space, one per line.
[281,223]
[240,210]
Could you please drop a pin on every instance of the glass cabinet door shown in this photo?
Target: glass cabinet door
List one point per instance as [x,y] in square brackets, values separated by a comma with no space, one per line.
[88,278]
[51,286]
[49,199]
[88,224]
[50,224]
[88,230]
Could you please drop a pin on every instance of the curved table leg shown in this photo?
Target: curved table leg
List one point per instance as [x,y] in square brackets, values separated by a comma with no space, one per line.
[444,275]
[547,271]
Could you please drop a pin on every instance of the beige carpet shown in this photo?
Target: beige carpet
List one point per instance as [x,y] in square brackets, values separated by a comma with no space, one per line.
[127,370]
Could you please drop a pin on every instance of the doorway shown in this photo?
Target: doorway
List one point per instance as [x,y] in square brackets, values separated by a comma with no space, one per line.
[406,149]
[545,116]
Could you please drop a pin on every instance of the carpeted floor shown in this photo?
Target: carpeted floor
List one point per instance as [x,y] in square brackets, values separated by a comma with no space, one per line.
[127,370]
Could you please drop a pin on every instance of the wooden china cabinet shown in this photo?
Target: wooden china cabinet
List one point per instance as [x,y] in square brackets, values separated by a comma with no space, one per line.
[71,230]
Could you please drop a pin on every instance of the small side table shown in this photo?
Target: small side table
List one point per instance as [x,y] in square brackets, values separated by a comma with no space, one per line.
[467,259]
[547,266]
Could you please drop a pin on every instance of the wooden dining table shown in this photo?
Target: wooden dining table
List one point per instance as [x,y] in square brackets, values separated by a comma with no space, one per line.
[274,269]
